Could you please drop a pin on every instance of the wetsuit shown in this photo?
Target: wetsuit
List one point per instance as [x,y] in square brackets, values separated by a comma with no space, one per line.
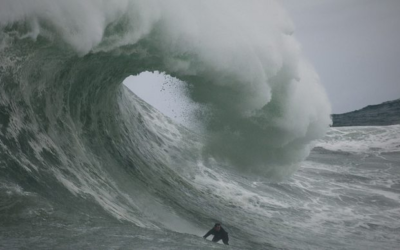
[218,235]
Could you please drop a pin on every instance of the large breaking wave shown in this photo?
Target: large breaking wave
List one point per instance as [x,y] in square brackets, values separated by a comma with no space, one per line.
[70,128]
[238,58]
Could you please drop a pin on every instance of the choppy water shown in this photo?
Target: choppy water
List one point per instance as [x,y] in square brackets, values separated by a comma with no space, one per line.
[346,195]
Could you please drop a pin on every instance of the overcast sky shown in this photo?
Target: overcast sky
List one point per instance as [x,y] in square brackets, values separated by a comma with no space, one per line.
[353,44]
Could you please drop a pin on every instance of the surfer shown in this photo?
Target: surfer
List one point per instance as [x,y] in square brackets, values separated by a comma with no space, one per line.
[219,234]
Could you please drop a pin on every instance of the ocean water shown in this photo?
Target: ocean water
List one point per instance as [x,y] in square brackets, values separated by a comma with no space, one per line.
[86,164]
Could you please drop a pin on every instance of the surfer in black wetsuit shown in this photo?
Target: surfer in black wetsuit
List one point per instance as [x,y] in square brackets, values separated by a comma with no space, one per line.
[219,234]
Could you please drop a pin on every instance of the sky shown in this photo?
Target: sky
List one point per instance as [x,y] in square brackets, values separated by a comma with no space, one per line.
[354,46]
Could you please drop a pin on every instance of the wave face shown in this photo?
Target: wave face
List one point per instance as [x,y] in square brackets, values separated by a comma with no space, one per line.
[83,157]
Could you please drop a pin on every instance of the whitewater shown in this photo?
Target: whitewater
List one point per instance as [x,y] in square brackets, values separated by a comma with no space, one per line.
[87,164]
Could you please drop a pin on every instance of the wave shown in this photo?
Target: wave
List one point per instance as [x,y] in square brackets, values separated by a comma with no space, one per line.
[361,140]
[70,128]
[266,101]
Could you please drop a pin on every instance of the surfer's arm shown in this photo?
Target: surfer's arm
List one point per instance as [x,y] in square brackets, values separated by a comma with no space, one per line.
[207,234]
[225,238]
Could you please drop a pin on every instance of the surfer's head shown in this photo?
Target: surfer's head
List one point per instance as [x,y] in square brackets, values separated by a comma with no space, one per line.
[217,226]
